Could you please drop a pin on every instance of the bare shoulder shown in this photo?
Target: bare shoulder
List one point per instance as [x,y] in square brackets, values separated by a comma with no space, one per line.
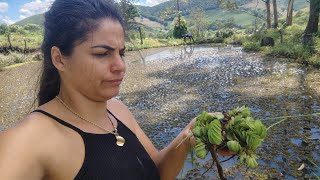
[116,104]
[30,129]
[22,148]
[122,112]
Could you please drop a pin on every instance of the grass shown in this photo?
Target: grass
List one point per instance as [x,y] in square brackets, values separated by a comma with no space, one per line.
[251,47]
[240,18]
[153,43]
[291,47]
[291,50]
[33,40]
[15,58]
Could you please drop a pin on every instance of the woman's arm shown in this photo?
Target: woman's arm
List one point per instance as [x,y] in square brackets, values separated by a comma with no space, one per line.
[170,160]
[19,153]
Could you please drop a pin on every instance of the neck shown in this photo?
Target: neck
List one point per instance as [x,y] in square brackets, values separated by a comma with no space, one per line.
[92,110]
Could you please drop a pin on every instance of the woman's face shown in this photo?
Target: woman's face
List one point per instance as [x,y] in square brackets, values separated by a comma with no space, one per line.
[96,68]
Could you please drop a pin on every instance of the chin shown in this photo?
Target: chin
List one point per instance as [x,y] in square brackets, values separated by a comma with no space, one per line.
[110,95]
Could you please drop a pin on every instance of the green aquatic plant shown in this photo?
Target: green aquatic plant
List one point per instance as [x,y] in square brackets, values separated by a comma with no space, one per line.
[232,133]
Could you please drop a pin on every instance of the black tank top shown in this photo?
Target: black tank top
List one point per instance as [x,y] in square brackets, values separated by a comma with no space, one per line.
[104,160]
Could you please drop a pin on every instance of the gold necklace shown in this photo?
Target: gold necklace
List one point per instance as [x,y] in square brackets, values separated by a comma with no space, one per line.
[120,139]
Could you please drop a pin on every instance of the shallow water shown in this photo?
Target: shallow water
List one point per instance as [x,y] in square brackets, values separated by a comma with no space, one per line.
[165,90]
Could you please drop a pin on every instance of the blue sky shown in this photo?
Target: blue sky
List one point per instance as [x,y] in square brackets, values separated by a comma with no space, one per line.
[14,10]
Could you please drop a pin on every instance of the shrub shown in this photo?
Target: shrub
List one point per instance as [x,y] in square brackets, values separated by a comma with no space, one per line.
[18,57]
[224,33]
[14,58]
[294,51]
[178,31]
[5,60]
[315,60]
[32,28]
[251,47]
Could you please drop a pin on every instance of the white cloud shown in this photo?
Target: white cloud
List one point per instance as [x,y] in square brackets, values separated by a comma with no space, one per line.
[22,16]
[35,7]
[138,3]
[6,20]
[153,2]
[3,7]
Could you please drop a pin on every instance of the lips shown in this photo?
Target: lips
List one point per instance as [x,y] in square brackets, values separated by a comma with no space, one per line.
[113,81]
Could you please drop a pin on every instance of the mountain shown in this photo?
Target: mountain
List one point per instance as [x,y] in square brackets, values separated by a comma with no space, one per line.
[36,19]
[153,14]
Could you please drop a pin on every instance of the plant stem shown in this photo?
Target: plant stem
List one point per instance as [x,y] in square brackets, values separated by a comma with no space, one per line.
[184,139]
[276,123]
[228,159]
[207,169]
[215,158]
[282,117]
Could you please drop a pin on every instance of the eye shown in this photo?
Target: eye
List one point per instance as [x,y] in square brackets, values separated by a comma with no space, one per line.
[100,55]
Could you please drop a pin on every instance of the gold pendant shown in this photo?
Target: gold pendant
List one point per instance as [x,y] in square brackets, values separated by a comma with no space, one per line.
[120,140]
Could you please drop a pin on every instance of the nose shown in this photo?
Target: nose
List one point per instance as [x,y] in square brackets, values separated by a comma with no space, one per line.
[118,64]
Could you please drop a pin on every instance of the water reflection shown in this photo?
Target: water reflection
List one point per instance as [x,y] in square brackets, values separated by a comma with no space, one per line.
[186,51]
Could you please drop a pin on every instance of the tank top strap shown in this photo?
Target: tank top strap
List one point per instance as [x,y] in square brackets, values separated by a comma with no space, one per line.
[60,121]
[113,115]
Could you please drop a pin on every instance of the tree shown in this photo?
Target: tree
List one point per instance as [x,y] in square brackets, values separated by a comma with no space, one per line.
[3,29]
[268,13]
[289,13]
[32,28]
[228,4]
[275,14]
[313,21]
[179,14]
[129,12]
[179,29]
[199,21]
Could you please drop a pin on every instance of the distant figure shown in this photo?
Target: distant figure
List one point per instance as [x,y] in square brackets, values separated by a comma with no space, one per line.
[188,35]
[267,41]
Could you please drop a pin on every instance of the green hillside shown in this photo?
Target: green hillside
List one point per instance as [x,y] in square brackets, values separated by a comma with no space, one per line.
[36,19]
[154,12]
[210,6]
[240,18]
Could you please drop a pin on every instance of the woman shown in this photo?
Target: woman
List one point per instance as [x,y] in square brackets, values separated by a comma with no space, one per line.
[79,131]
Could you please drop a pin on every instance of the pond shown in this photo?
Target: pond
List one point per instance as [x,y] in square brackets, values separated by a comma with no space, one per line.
[165,88]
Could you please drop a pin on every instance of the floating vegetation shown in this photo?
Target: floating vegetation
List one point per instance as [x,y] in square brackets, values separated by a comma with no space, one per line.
[166,91]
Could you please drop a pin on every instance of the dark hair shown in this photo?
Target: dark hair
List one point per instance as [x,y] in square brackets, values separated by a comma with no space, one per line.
[67,23]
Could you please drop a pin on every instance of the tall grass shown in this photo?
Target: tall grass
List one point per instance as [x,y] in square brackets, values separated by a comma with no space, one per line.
[14,58]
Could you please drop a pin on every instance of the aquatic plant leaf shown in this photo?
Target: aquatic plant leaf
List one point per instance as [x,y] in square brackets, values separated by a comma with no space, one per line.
[233,146]
[214,132]
[197,131]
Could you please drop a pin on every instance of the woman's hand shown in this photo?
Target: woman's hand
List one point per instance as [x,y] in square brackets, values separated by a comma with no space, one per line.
[188,130]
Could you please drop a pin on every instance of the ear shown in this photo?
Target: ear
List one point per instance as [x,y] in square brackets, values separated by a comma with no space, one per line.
[58,60]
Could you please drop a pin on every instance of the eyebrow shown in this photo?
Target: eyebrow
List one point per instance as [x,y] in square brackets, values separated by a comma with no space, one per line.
[107,47]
